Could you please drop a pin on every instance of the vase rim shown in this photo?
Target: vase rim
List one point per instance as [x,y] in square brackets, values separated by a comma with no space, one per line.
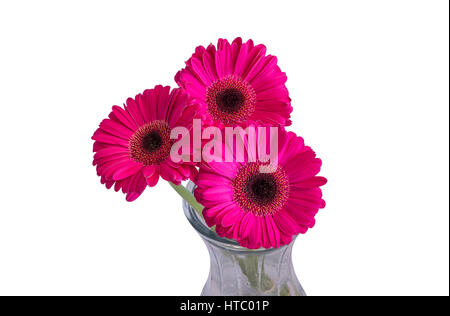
[200,226]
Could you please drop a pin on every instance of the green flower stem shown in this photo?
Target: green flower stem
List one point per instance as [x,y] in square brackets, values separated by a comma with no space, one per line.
[188,197]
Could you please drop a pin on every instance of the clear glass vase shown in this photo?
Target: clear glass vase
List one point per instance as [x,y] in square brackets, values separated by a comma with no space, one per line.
[238,271]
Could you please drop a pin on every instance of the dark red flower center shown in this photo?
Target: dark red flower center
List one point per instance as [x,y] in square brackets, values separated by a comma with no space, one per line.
[230,100]
[261,188]
[260,193]
[151,143]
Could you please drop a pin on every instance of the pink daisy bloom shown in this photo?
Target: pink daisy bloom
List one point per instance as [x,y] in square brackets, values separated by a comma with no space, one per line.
[263,209]
[132,146]
[237,84]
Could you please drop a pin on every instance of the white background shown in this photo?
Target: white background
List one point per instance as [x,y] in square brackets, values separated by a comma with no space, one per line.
[369,84]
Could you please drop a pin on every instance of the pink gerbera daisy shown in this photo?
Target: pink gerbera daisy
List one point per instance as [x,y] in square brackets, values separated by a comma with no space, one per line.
[237,84]
[263,209]
[132,146]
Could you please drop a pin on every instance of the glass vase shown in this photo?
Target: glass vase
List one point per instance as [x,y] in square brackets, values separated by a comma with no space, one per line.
[238,271]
